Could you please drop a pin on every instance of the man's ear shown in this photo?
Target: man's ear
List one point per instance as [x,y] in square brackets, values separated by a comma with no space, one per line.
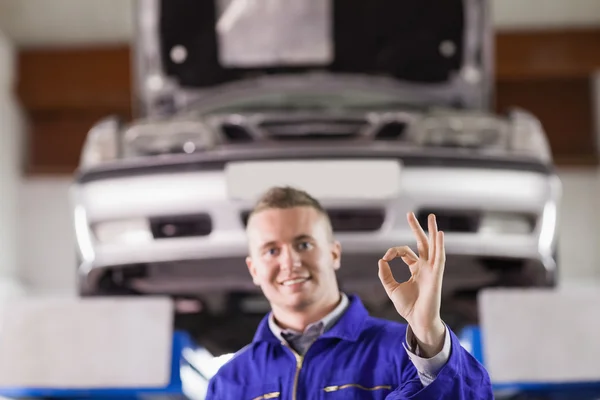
[336,252]
[252,270]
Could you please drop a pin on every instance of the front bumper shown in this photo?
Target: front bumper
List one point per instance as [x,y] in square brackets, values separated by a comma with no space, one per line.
[215,261]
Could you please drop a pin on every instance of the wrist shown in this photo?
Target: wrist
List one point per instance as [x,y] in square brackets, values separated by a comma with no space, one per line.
[430,339]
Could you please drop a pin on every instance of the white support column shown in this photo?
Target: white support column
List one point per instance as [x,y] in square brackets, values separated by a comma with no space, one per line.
[596,110]
[11,135]
[596,107]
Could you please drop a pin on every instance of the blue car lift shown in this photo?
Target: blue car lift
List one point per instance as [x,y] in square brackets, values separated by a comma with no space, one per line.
[470,338]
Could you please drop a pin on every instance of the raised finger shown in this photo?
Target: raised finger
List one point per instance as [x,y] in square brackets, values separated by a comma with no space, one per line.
[422,244]
[440,256]
[432,236]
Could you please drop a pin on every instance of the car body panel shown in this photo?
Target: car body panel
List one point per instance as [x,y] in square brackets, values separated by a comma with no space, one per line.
[457,193]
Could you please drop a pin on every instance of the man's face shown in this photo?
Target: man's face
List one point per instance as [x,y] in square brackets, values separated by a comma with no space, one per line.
[293,257]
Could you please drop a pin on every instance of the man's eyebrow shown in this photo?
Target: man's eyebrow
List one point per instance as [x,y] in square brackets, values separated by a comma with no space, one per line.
[303,237]
[268,244]
[296,239]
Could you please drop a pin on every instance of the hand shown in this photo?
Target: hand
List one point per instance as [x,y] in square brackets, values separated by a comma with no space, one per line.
[418,300]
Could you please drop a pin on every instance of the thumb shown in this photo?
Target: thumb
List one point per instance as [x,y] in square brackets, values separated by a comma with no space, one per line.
[386,277]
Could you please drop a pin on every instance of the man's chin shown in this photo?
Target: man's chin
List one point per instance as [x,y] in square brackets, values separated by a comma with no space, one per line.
[293,300]
[297,301]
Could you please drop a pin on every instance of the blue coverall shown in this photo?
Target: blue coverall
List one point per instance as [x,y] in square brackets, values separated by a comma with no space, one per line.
[360,357]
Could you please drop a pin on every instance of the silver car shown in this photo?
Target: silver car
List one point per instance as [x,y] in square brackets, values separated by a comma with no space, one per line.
[378,122]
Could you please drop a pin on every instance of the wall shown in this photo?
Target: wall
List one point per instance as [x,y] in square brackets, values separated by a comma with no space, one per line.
[46,239]
[42,22]
[530,14]
[579,252]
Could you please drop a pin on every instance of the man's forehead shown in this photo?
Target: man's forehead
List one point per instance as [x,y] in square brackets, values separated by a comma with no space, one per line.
[273,224]
[274,216]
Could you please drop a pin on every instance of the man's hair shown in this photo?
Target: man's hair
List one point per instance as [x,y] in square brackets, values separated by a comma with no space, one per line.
[288,197]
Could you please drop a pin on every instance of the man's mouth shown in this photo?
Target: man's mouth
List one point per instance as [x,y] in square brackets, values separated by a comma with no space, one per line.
[289,282]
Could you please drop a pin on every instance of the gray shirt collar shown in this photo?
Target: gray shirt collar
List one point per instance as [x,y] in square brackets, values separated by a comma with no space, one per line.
[313,330]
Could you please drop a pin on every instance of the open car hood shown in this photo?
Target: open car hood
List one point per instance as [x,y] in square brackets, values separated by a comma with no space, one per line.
[184,47]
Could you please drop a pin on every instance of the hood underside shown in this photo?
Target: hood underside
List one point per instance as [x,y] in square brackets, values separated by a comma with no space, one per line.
[225,40]
[187,48]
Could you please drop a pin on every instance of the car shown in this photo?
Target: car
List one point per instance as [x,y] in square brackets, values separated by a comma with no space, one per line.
[393,116]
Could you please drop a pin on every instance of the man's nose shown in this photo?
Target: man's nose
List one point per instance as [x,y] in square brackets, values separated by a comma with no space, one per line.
[290,258]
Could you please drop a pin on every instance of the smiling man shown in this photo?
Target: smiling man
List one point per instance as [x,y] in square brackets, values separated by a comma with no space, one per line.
[320,343]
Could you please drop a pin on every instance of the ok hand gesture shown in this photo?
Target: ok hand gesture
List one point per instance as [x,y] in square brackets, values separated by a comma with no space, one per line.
[418,300]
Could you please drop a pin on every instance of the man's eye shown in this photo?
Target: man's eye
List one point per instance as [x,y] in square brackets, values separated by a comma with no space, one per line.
[272,251]
[304,246]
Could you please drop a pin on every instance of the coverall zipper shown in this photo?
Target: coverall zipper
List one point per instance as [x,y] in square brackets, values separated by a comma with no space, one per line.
[299,360]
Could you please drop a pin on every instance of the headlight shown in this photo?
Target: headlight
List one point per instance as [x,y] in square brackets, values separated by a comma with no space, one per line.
[463,130]
[131,231]
[528,136]
[520,133]
[82,235]
[102,142]
[167,137]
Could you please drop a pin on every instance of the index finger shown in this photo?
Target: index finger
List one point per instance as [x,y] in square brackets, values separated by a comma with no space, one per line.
[408,256]
[402,251]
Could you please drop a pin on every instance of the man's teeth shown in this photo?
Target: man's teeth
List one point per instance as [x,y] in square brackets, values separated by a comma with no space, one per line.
[294,281]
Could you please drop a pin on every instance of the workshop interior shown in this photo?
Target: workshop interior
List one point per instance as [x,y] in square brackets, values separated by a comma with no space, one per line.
[136,136]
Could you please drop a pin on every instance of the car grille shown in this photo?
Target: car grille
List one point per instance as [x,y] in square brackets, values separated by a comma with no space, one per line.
[236,133]
[348,219]
[391,131]
[357,220]
[181,226]
[313,129]
[459,221]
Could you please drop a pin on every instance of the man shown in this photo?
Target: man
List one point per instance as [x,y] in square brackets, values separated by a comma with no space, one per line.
[318,343]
